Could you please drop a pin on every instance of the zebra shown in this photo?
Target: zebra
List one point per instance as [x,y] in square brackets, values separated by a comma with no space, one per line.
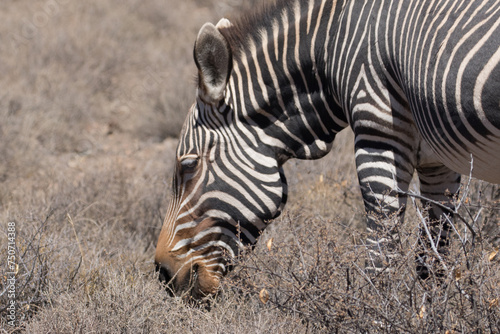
[416,81]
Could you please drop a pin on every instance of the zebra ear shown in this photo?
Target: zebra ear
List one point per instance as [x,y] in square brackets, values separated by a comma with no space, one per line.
[214,61]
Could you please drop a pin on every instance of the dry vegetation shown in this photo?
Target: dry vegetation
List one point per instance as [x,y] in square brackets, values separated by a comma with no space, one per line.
[91,93]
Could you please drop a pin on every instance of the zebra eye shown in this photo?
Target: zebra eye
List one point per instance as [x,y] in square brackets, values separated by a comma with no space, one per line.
[189,163]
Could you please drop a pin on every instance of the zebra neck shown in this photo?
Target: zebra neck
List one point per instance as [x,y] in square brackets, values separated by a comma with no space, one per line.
[279,83]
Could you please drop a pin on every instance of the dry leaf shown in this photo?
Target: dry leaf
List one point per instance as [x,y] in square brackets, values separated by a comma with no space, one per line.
[493,302]
[458,274]
[321,178]
[270,243]
[264,296]
[493,254]
[421,313]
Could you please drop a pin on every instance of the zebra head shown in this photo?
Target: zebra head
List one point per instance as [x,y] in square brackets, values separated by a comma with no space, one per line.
[225,188]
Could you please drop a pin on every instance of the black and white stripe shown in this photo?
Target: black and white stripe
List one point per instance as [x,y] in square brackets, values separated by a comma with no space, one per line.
[417,81]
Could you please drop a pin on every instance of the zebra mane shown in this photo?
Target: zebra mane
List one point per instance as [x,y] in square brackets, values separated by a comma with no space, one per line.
[248,26]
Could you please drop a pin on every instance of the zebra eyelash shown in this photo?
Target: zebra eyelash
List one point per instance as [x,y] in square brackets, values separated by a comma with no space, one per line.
[189,162]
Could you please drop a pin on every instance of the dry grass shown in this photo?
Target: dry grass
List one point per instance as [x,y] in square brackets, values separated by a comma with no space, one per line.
[314,268]
[92,91]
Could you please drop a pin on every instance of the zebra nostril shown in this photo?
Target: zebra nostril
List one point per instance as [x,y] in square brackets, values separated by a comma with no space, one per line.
[164,276]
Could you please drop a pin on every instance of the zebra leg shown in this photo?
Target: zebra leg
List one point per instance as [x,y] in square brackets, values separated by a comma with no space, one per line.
[438,184]
[384,174]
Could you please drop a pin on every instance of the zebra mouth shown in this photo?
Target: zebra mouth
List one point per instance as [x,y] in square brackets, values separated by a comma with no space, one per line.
[190,289]
[193,284]
[193,289]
